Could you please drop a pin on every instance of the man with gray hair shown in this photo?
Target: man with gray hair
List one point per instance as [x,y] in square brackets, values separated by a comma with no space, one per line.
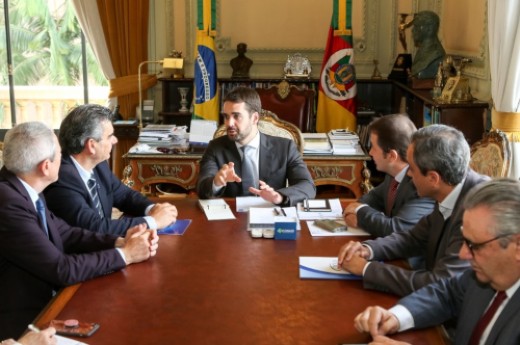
[439,167]
[486,298]
[40,253]
[87,189]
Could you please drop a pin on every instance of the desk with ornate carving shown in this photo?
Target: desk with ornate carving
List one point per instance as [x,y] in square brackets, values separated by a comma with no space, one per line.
[144,171]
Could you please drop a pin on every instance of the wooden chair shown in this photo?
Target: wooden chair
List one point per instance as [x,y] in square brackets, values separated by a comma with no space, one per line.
[271,124]
[491,155]
[291,104]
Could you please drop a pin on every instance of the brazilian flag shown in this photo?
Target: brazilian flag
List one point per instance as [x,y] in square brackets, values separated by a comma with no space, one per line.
[205,76]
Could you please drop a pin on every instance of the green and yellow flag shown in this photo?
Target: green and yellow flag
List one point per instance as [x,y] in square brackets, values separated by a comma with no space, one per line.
[206,104]
[337,89]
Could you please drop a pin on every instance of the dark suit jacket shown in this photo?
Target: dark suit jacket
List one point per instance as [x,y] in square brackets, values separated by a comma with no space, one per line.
[407,210]
[69,199]
[437,240]
[463,297]
[32,265]
[279,162]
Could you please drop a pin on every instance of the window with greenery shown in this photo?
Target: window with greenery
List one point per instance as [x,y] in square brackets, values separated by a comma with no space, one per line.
[52,68]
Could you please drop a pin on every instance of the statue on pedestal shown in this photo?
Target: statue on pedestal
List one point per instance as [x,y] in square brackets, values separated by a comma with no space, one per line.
[241,64]
[429,49]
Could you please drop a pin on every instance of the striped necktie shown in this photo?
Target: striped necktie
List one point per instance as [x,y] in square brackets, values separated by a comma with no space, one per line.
[93,191]
[40,207]
[248,170]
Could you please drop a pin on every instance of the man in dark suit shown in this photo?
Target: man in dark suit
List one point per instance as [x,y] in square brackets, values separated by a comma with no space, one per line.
[439,167]
[40,253]
[86,137]
[492,246]
[376,212]
[278,172]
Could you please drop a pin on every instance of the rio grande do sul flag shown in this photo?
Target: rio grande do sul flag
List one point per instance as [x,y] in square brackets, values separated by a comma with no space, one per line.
[337,87]
[206,103]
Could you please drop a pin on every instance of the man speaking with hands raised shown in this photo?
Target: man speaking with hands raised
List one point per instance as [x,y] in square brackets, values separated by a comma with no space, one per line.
[248,162]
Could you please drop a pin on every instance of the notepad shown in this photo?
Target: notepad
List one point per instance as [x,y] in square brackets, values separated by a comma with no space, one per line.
[317,267]
[216,209]
[177,228]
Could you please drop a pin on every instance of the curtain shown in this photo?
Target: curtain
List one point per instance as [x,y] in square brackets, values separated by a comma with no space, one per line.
[504,56]
[88,17]
[118,29]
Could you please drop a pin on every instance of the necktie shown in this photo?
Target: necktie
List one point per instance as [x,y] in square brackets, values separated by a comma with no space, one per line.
[40,207]
[92,189]
[248,170]
[486,318]
[392,192]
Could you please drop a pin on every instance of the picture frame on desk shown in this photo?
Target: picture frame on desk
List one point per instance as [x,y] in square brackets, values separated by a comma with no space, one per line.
[401,69]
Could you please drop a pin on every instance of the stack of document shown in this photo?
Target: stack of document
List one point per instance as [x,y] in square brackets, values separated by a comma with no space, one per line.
[316,143]
[344,142]
[164,135]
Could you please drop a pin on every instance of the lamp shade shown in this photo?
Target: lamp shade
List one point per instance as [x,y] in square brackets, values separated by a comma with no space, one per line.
[175,63]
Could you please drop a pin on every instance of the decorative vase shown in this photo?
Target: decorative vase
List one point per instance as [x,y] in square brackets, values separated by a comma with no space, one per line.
[183,91]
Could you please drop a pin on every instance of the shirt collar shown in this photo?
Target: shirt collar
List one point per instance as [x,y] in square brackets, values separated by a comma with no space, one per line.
[33,194]
[511,291]
[255,142]
[400,176]
[448,204]
[83,173]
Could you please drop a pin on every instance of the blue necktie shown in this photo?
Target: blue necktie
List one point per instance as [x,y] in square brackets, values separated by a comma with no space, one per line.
[93,191]
[40,207]
[248,174]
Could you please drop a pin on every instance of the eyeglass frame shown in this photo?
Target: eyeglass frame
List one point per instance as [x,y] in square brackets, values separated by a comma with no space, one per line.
[473,247]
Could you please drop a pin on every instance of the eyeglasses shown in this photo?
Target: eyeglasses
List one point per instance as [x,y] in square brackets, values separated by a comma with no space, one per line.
[473,247]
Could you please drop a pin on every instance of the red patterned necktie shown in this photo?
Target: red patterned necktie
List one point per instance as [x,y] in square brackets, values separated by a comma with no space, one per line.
[392,192]
[486,318]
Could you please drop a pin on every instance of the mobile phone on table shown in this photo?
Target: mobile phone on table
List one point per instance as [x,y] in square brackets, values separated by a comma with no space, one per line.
[74,328]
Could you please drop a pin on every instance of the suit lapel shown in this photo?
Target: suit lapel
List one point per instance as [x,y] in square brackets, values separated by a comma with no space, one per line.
[264,157]
[509,313]
[476,300]
[438,224]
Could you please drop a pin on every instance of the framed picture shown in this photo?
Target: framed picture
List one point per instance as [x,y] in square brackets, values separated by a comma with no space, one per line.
[402,67]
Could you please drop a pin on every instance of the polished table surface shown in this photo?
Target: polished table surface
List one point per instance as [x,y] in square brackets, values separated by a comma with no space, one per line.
[217,285]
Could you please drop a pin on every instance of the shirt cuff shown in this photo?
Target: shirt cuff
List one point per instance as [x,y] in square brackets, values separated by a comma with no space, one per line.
[152,224]
[216,189]
[360,207]
[404,317]
[148,209]
[371,256]
[120,251]
[365,268]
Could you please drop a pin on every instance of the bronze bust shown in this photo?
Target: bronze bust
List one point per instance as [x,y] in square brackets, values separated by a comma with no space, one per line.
[429,49]
[241,63]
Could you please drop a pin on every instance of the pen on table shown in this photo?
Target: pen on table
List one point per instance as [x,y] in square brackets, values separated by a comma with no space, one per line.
[33,328]
[277,211]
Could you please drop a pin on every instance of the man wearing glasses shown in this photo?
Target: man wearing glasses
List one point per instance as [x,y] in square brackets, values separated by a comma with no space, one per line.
[485,298]
[438,158]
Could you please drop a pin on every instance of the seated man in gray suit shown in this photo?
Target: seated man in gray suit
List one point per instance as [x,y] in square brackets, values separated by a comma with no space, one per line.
[248,162]
[439,167]
[394,205]
[488,291]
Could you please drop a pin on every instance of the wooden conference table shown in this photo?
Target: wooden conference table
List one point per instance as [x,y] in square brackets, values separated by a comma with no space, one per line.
[217,285]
